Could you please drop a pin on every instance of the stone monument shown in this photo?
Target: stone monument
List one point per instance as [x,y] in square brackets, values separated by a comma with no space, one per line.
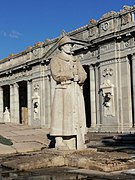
[68,124]
[6,115]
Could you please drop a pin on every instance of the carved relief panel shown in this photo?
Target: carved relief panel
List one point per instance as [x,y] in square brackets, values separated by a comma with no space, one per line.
[92,32]
[126,43]
[106,27]
[36,102]
[107,89]
[35,53]
[125,19]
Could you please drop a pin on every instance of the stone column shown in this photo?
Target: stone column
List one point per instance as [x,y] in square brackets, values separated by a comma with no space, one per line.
[16,103]
[126,96]
[12,103]
[48,101]
[119,96]
[29,101]
[97,97]
[92,97]
[1,105]
[43,100]
[133,84]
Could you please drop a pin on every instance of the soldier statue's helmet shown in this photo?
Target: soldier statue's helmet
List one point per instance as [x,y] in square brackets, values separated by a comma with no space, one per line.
[65,40]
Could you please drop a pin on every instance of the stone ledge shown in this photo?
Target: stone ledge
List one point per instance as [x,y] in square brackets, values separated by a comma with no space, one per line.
[87,159]
[4,149]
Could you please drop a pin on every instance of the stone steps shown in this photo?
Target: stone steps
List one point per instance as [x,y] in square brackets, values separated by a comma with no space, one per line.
[110,139]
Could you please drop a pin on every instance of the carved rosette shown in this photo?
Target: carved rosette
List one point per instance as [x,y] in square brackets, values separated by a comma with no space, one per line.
[105,26]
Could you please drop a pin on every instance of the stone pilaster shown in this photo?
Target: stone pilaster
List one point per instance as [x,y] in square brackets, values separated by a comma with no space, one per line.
[43,100]
[97,98]
[133,84]
[1,105]
[48,101]
[92,97]
[16,103]
[126,96]
[29,99]
[12,103]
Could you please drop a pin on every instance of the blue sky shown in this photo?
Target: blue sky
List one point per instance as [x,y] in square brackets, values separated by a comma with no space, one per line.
[25,22]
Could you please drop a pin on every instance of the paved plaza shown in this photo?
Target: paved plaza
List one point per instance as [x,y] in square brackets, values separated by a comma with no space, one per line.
[25,138]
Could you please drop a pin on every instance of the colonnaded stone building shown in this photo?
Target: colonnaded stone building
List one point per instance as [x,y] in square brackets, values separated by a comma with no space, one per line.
[106,49]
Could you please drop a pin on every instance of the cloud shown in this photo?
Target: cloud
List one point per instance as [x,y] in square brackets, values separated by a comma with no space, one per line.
[3,33]
[13,34]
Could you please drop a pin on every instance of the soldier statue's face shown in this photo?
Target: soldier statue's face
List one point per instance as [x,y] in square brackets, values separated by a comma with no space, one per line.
[67,48]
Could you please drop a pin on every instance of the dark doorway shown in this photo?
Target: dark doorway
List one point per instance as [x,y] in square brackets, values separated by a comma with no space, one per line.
[86,93]
[6,97]
[23,109]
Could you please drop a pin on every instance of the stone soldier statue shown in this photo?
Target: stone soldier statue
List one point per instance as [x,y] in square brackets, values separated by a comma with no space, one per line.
[68,113]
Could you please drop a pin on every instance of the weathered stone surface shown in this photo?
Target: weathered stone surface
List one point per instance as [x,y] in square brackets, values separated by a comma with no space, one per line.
[25,139]
[27,147]
[87,159]
[4,149]
[30,138]
[35,161]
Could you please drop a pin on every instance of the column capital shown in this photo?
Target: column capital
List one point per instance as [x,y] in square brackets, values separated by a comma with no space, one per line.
[16,85]
[133,57]
[1,88]
[29,81]
[92,66]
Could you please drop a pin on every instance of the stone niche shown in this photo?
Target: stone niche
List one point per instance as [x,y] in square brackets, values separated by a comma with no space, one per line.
[36,106]
[107,89]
